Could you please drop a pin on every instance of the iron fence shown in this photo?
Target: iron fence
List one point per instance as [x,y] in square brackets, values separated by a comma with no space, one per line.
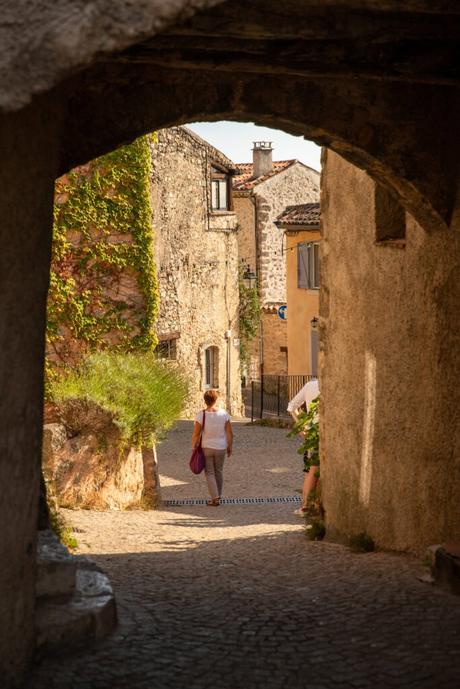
[269,397]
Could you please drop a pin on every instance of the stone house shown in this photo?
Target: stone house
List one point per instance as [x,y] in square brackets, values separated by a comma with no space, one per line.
[189,226]
[261,191]
[196,253]
[301,227]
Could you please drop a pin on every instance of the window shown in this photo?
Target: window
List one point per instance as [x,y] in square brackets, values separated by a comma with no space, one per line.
[390,217]
[220,196]
[211,364]
[308,265]
[167,347]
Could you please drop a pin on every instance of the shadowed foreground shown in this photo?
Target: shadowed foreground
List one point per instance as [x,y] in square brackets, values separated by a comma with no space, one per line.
[236,597]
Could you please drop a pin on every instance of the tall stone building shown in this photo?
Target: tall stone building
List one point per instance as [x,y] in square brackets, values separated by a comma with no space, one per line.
[196,252]
[261,191]
[186,219]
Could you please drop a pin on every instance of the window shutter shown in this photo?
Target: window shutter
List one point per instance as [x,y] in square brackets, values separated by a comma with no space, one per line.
[215,367]
[223,194]
[316,265]
[302,266]
[207,377]
[215,194]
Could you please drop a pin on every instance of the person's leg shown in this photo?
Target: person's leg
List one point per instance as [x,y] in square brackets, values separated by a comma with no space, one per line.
[219,469]
[309,485]
[210,473]
[310,482]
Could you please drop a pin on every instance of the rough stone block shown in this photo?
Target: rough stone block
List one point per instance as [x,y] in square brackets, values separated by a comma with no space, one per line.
[446,568]
[90,613]
[56,569]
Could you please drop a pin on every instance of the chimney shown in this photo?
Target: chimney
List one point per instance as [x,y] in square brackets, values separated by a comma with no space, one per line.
[262,158]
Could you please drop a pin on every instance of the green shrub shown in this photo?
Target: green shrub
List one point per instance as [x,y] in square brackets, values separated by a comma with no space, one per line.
[308,424]
[61,527]
[249,316]
[144,394]
[361,543]
[315,530]
[271,423]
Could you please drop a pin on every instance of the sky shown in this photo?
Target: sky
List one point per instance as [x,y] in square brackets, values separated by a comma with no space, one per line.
[235,139]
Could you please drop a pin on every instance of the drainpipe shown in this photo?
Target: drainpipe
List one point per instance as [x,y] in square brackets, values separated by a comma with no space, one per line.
[254,200]
[228,337]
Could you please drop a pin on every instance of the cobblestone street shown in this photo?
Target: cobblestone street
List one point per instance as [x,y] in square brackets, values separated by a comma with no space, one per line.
[236,597]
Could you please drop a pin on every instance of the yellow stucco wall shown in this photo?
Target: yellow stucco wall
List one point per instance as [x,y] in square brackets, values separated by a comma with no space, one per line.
[302,306]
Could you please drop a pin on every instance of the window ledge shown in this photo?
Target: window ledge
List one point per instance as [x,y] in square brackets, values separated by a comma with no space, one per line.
[395,243]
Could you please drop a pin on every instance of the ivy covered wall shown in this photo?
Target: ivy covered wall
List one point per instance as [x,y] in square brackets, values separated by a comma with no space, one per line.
[103,287]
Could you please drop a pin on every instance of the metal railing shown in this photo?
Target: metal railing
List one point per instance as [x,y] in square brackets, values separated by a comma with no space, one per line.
[269,397]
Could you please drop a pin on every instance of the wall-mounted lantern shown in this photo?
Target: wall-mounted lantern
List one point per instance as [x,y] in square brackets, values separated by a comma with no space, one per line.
[249,277]
[314,323]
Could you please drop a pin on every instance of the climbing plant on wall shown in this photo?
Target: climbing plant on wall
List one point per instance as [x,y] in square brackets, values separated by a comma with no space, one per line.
[103,287]
[249,316]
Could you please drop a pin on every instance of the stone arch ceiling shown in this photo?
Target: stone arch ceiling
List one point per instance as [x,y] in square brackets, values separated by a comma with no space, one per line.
[376,80]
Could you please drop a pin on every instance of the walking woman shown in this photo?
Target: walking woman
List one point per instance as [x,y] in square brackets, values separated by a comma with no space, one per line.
[216,441]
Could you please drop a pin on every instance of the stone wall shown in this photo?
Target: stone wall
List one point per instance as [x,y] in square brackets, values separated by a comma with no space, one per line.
[103,285]
[88,465]
[197,262]
[297,184]
[390,368]
[29,147]
[275,357]
[246,213]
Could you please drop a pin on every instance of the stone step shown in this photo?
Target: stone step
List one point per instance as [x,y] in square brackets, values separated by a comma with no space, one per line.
[56,568]
[445,565]
[89,614]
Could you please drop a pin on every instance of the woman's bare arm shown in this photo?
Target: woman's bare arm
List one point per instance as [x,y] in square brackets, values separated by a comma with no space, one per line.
[229,434]
[196,434]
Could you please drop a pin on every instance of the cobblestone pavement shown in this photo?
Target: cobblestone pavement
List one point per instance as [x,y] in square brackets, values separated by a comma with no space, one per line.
[236,597]
[265,463]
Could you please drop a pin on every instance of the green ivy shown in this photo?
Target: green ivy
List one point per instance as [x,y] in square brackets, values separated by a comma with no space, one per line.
[102,230]
[249,316]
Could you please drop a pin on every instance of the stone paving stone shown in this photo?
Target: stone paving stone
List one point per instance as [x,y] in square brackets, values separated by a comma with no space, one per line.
[238,598]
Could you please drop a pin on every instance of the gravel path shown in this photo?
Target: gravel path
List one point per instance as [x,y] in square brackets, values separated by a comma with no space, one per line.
[236,597]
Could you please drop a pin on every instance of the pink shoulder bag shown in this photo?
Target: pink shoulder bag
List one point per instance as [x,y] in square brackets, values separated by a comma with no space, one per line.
[197,460]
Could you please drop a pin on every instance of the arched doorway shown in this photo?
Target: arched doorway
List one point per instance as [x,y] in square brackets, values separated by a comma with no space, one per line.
[353,76]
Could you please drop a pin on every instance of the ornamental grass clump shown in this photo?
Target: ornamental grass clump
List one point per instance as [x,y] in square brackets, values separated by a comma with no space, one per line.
[144,395]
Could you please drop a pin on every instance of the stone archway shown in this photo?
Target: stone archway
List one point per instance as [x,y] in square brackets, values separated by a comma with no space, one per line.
[371,80]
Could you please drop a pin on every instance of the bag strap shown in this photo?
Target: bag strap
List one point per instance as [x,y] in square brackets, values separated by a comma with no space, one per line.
[202,427]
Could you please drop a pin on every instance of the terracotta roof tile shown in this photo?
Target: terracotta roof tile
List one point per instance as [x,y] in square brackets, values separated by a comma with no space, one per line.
[305,214]
[244,180]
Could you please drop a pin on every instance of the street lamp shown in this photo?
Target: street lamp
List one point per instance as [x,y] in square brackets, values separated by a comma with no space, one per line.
[249,277]
[314,323]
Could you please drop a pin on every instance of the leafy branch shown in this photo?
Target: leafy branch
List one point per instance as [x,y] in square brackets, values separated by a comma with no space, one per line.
[307,425]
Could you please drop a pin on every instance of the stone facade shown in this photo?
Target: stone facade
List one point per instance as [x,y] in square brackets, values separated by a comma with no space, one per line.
[274,342]
[100,293]
[258,203]
[196,252]
[389,369]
